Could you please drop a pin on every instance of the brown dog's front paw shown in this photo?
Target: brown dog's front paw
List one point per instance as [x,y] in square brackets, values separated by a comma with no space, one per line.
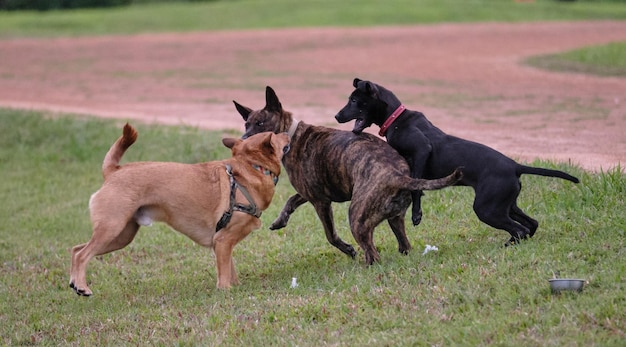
[223,286]
[81,291]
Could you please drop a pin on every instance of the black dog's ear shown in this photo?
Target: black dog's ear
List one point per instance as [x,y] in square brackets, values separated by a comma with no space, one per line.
[371,89]
[243,111]
[271,100]
[355,83]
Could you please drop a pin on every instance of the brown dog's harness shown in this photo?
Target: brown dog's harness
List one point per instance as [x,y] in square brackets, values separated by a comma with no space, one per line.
[250,209]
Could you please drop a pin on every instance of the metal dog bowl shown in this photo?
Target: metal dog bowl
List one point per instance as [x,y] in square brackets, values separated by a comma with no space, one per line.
[561,284]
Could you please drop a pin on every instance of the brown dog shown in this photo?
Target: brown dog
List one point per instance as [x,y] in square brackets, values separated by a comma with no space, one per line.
[328,165]
[216,204]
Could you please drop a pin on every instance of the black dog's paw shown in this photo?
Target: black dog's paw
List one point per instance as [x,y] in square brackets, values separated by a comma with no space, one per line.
[515,240]
[416,218]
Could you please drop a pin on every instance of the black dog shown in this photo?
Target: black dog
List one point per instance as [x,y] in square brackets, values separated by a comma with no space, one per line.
[327,165]
[430,153]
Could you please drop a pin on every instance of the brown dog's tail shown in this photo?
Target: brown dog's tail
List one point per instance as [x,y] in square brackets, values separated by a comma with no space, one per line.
[114,155]
[424,184]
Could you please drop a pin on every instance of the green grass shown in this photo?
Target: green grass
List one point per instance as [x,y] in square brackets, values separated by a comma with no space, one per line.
[160,290]
[604,60]
[249,14]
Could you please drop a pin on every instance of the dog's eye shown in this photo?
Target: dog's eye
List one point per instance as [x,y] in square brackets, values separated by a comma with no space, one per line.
[353,100]
[259,124]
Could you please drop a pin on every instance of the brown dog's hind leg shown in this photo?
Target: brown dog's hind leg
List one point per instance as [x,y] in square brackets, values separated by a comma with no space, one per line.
[101,242]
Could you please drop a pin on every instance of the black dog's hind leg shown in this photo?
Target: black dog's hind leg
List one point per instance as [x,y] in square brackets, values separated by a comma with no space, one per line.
[493,204]
[325,214]
[291,205]
[519,216]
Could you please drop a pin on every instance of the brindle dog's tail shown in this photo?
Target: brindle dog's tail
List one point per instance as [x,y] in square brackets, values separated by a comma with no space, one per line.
[424,184]
[114,155]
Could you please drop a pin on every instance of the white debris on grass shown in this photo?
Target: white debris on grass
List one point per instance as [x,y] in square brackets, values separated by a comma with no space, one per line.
[294,282]
[430,248]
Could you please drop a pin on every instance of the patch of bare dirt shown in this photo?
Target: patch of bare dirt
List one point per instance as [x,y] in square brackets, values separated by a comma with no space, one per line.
[467,78]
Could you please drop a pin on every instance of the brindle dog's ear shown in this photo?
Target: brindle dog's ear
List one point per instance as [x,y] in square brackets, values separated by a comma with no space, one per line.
[230,142]
[243,111]
[271,100]
[355,83]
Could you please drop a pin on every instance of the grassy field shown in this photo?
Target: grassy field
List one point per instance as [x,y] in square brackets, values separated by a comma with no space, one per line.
[161,289]
[605,60]
[249,14]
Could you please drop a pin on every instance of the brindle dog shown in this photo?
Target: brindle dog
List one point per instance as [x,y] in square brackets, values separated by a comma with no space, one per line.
[327,165]
[431,152]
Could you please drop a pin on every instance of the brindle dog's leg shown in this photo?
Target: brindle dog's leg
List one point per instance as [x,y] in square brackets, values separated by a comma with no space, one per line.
[325,214]
[291,205]
[397,226]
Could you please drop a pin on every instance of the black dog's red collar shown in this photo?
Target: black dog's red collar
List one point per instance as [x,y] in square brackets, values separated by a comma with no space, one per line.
[391,119]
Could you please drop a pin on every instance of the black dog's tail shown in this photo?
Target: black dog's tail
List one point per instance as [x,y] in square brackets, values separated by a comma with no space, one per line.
[523,169]
[424,184]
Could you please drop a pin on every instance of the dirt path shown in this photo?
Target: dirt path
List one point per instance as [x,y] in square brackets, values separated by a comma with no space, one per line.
[467,78]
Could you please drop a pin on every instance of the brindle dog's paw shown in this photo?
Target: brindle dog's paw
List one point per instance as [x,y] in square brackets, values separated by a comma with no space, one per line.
[278,224]
[351,252]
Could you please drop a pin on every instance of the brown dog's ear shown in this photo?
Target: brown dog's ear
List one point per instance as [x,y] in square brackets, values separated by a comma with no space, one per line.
[271,100]
[355,83]
[267,143]
[243,111]
[230,142]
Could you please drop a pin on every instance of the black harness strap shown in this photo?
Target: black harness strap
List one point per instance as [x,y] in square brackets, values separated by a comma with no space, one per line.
[234,206]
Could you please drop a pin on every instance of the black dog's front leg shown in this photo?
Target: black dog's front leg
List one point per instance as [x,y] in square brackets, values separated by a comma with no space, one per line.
[416,209]
[415,148]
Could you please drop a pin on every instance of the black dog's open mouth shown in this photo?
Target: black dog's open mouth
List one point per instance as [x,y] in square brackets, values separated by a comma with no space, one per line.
[359,126]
